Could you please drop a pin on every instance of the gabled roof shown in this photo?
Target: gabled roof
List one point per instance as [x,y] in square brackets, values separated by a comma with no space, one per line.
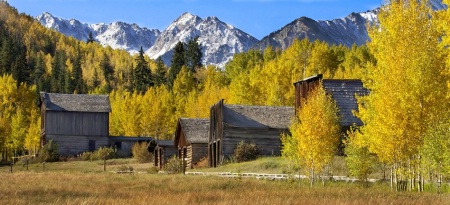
[75,102]
[278,117]
[195,129]
[344,93]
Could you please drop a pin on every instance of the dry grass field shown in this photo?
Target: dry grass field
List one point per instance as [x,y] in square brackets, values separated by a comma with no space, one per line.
[85,183]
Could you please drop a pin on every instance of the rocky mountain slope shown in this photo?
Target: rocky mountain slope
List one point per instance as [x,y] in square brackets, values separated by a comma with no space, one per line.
[219,41]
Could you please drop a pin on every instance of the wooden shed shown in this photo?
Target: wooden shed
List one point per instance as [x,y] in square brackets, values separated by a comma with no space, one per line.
[191,140]
[77,123]
[124,144]
[343,91]
[231,124]
[163,150]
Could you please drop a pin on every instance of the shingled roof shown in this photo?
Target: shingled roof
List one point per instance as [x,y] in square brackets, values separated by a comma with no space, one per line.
[195,129]
[344,93]
[257,116]
[75,102]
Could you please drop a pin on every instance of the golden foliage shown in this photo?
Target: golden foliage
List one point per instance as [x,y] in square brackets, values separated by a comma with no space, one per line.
[315,133]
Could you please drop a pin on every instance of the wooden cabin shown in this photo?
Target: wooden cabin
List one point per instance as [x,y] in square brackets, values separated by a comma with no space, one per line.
[124,144]
[163,150]
[77,123]
[231,124]
[344,93]
[191,140]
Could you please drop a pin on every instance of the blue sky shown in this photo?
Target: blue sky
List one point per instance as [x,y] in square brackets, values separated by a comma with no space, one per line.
[256,17]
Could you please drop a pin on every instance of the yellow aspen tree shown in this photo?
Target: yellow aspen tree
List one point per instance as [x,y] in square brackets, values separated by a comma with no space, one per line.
[406,84]
[115,118]
[32,138]
[182,86]
[315,133]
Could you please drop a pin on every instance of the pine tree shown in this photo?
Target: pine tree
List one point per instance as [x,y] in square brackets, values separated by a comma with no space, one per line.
[193,55]
[160,77]
[178,61]
[90,38]
[77,74]
[142,74]
[108,72]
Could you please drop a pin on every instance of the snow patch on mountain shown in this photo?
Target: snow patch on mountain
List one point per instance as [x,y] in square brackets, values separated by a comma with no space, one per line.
[219,41]
[118,35]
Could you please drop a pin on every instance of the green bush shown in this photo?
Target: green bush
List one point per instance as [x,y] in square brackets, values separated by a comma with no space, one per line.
[141,153]
[104,153]
[49,152]
[174,165]
[86,156]
[246,152]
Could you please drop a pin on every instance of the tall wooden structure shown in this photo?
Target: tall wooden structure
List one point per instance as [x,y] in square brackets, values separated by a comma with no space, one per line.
[77,123]
[191,140]
[231,124]
[343,91]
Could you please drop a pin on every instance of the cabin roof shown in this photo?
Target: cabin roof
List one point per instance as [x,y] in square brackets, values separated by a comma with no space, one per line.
[164,143]
[310,78]
[245,116]
[344,93]
[75,102]
[195,129]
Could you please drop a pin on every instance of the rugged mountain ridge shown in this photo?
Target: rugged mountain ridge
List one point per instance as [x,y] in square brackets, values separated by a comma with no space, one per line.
[118,35]
[219,41]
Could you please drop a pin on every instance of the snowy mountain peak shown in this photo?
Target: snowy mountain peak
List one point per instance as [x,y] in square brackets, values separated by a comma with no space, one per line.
[218,40]
[118,35]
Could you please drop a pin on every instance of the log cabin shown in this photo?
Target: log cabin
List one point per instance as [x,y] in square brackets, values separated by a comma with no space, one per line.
[343,91]
[191,140]
[163,150]
[231,124]
[76,122]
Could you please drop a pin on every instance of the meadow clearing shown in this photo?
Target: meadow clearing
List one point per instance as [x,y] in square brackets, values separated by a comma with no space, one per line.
[84,182]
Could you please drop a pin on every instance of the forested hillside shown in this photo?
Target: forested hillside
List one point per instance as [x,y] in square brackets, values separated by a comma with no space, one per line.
[147,97]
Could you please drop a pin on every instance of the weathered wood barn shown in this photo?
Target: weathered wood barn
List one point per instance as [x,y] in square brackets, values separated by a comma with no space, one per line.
[124,144]
[77,123]
[343,91]
[191,140]
[162,151]
[231,124]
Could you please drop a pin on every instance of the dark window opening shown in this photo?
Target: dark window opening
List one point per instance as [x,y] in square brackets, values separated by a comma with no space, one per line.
[118,145]
[91,145]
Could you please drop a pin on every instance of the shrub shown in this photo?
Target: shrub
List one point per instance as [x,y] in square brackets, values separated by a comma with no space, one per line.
[86,156]
[203,163]
[174,165]
[49,152]
[125,168]
[153,170]
[141,153]
[104,153]
[246,152]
